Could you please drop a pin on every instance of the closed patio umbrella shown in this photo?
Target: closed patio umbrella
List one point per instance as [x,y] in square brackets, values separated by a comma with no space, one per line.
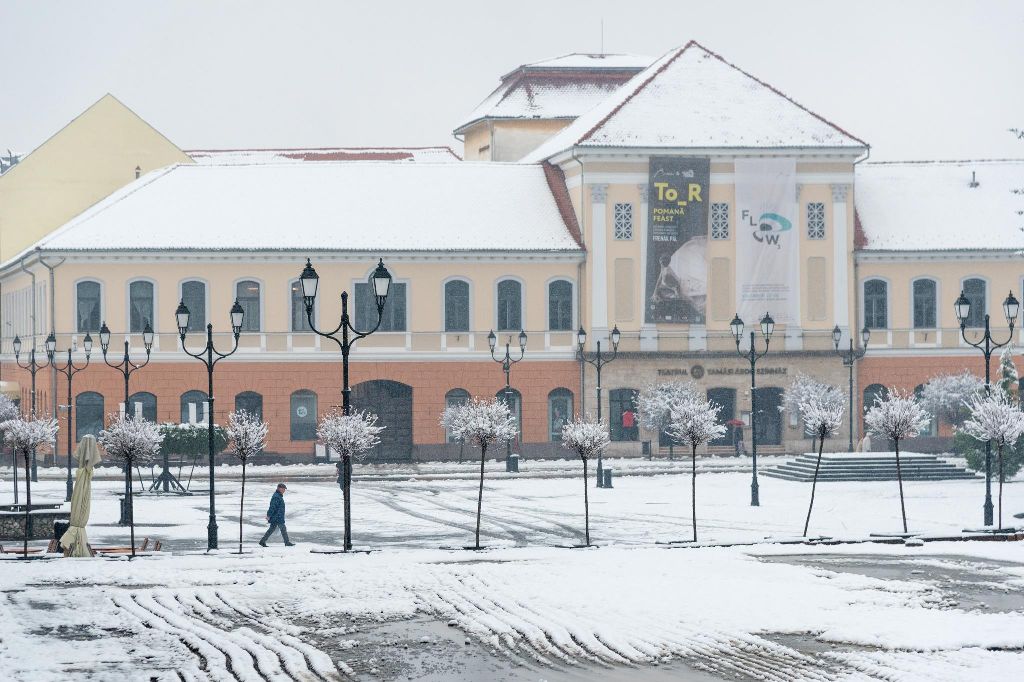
[74,541]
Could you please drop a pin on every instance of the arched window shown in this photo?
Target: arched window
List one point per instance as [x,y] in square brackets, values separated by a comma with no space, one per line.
[248,294]
[140,305]
[510,305]
[392,317]
[876,304]
[514,400]
[559,412]
[303,415]
[251,402]
[300,321]
[88,414]
[193,295]
[622,418]
[974,290]
[142,402]
[87,306]
[560,305]
[194,407]
[925,301]
[456,396]
[456,306]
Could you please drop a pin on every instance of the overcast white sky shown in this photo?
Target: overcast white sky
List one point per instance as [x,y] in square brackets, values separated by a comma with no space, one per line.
[937,79]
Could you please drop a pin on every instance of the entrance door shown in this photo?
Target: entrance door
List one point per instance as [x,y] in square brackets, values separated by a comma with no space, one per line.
[391,401]
[726,399]
[769,417]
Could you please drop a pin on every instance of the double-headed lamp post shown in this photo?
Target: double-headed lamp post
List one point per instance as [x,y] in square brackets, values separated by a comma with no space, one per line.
[32,366]
[126,367]
[381,280]
[767,327]
[1011,308]
[849,358]
[506,366]
[209,356]
[598,361]
[70,369]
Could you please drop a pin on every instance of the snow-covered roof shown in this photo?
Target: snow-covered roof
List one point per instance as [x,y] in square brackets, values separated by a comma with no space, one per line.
[329,206]
[932,206]
[249,156]
[692,98]
[563,87]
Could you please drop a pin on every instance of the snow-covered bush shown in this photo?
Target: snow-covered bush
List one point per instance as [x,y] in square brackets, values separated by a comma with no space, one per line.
[806,390]
[130,439]
[945,396]
[451,418]
[1008,376]
[248,434]
[8,410]
[191,439]
[822,415]
[587,439]
[997,419]
[349,435]
[694,421]
[481,422]
[24,435]
[655,403]
[896,417]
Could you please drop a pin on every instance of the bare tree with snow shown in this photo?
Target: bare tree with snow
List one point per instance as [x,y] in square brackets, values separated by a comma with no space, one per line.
[995,418]
[350,435]
[946,396]
[248,435]
[655,402]
[587,439]
[133,441]
[24,435]
[807,389]
[694,423]
[896,417]
[822,414]
[450,418]
[483,422]
[8,411]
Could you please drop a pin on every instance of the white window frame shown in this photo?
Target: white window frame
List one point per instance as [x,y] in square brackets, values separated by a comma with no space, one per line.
[74,307]
[522,303]
[128,303]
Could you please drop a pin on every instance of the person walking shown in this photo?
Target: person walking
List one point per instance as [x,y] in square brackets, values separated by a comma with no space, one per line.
[275,517]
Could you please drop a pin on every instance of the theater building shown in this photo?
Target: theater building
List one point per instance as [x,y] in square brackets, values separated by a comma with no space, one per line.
[661,197]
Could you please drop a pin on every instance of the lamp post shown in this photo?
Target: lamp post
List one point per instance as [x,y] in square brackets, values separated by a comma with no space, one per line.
[209,356]
[126,367]
[598,362]
[506,366]
[849,358]
[767,327]
[381,279]
[1011,307]
[32,366]
[70,369]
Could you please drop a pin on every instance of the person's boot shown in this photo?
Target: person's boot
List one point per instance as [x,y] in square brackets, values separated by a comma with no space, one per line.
[262,544]
[289,544]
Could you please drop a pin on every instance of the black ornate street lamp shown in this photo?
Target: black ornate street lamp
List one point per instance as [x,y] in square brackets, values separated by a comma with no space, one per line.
[32,366]
[767,327]
[506,366]
[126,367]
[70,369]
[849,358]
[209,356]
[1011,307]
[310,281]
[598,361]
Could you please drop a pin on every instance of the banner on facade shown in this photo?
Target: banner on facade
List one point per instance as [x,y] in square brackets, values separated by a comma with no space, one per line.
[677,225]
[767,241]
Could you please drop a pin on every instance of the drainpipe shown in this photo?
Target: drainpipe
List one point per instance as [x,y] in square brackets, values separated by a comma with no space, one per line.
[21,264]
[53,324]
[579,278]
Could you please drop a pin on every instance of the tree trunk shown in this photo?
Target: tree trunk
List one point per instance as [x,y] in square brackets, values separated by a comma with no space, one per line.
[814,484]
[693,489]
[899,477]
[480,495]
[1000,487]
[586,503]
[131,503]
[241,509]
[28,501]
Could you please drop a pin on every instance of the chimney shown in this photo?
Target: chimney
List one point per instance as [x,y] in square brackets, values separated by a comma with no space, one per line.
[138,172]
[974,181]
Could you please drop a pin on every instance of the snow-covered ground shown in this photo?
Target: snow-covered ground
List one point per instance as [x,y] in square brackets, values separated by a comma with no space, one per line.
[528,608]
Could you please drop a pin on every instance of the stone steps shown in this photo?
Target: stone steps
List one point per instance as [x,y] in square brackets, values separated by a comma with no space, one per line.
[913,467]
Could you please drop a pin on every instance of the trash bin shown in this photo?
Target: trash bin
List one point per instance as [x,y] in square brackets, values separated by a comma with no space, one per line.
[607,478]
[59,528]
[645,449]
[513,464]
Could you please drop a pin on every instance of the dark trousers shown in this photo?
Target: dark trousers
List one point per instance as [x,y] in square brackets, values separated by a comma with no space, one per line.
[270,531]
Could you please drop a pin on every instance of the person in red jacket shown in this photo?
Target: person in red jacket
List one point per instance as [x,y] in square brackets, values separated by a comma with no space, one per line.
[629,424]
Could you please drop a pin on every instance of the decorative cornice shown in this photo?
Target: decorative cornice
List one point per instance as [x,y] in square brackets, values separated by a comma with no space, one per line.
[599,193]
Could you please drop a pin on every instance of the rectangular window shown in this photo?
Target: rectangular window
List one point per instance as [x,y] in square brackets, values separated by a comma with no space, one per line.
[140,299]
[624,221]
[300,321]
[924,304]
[247,293]
[193,295]
[719,221]
[815,220]
[393,319]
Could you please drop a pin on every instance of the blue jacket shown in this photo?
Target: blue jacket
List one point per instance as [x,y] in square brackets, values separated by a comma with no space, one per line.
[276,511]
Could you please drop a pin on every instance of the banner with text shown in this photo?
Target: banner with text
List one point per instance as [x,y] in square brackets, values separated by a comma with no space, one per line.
[767,241]
[677,225]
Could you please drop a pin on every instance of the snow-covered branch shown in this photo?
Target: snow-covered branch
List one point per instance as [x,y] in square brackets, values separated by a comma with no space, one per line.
[896,416]
[584,437]
[994,418]
[353,434]
[481,422]
[8,410]
[821,411]
[130,439]
[26,434]
[945,396]
[695,421]
[248,434]
[655,403]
